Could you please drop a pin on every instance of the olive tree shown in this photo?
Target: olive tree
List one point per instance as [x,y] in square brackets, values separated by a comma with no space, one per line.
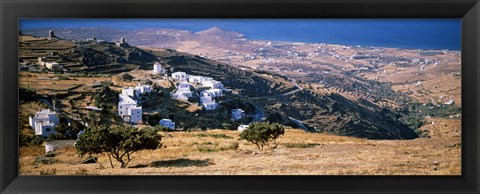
[261,133]
[118,142]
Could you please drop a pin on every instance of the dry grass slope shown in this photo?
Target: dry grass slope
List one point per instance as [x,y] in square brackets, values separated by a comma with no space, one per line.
[219,152]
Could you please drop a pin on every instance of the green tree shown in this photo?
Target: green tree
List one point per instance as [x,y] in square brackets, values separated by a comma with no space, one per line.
[118,142]
[261,133]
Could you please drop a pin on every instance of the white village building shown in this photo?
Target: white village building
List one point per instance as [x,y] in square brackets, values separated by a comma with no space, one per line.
[211,93]
[142,89]
[130,91]
[199,79]
[210,105]
[167,123]
[137,91]
[157,68]
[183,91]
[242,127]
[42,61]
[44,122]
[182,76]
[195,79]
[213,84]
[52,65]
[237,114]
[128,108]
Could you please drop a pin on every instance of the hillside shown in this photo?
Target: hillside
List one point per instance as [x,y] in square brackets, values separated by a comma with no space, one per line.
[333,112]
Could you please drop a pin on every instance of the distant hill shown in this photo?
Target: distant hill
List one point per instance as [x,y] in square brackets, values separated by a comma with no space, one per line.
[150,37]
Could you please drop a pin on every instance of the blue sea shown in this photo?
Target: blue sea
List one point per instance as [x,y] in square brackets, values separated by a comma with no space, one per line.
[398,33]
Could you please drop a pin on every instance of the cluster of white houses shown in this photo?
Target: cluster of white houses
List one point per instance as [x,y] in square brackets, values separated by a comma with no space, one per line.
[206,96]
[44,122]
[128,107]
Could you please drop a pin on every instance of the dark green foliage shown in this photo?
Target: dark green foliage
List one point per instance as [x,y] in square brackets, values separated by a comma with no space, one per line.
[118,142]
[416,113]
[126,77]
[30,140]
[261,133]
[26,95]
[63,78]
[160,128]
[64,131]
[152,119]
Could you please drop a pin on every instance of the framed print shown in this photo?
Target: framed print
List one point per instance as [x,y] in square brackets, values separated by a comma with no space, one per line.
[224,96]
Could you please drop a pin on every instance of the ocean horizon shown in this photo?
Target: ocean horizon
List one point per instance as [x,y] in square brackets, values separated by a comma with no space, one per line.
[435,34]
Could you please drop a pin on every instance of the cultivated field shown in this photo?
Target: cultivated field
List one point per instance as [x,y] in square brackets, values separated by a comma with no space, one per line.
[219,152]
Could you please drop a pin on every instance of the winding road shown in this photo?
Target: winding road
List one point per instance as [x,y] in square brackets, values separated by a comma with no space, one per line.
[299,88]
[299,123]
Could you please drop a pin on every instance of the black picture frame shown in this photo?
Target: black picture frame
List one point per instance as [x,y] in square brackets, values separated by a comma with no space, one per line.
[11,11]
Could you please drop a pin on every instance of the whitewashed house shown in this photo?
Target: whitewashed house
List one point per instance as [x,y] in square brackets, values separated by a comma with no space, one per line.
[137,91]
[182,76]
[167,123]
[195,79]
[184,86]
[183,95]
[183,91]
[199,79]
[216,92]
[128,109]
[206,79]
[130,91]
[213,84]
[44,122]
[206,99]
[142,89]
[52,65]
[212,105]
[211,93]
[41,60]
[242,127]
[208,103]
[157,68]
[206,94]
[237,114]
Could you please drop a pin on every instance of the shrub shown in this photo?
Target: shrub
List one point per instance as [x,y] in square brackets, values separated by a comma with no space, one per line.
[63,78]
[262,133]
[118,142]
[30,140]
[160,128]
